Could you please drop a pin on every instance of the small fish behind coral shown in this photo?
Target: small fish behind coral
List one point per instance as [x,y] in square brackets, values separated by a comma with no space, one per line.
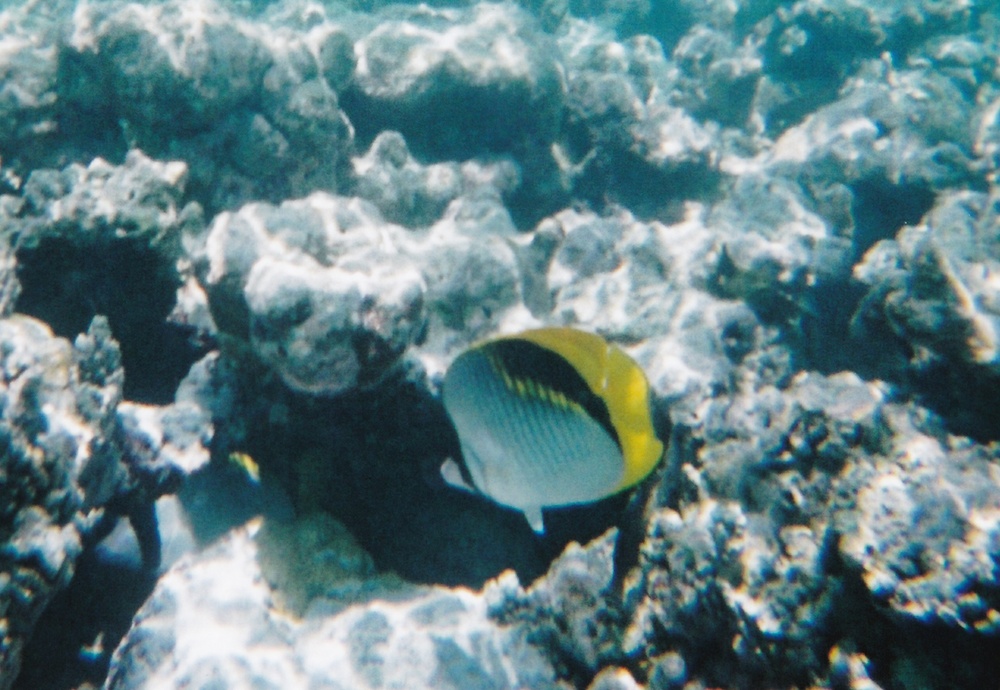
[549,417]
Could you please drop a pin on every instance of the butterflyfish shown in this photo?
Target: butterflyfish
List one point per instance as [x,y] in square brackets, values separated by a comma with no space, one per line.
[549,417]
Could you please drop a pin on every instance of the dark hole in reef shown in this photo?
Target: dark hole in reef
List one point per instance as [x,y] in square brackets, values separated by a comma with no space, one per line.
[97,605]
[964,395]
[85,110]
[881,208]
[646,190]
[373,463]
[820,339]
[66,284]
[481,121]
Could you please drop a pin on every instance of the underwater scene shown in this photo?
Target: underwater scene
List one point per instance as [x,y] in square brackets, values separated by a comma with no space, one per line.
[519,345]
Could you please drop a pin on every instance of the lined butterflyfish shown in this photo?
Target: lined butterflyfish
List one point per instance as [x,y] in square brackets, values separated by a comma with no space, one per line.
[549,417]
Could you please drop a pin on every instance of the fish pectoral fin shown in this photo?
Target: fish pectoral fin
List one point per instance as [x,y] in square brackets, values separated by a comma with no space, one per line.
[534,517]
[452,475]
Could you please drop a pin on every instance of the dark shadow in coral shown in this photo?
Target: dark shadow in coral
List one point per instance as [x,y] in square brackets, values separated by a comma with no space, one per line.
[372,459]
[905,652]
[66,284]
[829,337]
[821,339]
[830,329]
[481,121]
[96,606]
[89,124]
[646,190]
[964,395]
[837,332]
[808,56]
[880,208]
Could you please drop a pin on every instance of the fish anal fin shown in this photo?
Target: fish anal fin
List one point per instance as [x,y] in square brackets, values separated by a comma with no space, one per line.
[534,517]
[452,475]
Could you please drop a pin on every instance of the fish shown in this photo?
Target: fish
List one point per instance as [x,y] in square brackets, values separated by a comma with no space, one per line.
[549,417]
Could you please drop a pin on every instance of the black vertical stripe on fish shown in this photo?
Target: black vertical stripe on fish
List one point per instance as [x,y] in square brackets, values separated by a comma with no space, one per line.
[523,360]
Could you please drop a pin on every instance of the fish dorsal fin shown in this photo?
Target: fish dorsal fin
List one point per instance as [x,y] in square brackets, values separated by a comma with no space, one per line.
[534,517]
[452,475]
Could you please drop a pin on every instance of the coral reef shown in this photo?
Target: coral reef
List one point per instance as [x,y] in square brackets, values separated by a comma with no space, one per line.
[241,242]
[69,468]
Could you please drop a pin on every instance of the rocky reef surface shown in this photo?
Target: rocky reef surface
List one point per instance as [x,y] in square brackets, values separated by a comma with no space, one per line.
[241,241]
